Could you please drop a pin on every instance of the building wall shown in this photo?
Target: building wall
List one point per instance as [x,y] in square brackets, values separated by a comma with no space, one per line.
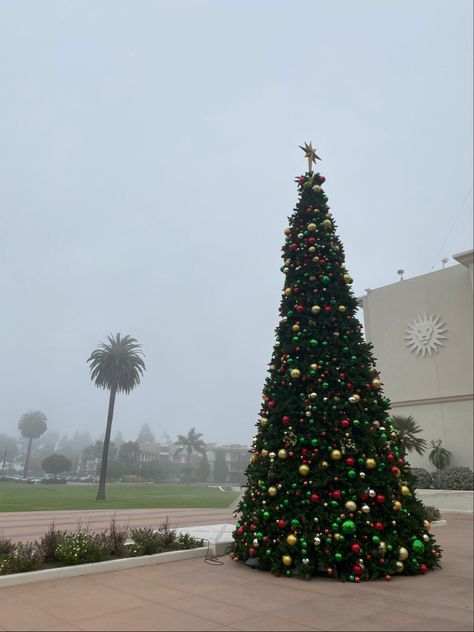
[437,389]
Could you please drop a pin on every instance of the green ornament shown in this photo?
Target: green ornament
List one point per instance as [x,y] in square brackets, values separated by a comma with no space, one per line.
[375,539]
[295,522]
[338,557]
[418,546]
[313,343]
[356,422]
[266,515]
[349,527]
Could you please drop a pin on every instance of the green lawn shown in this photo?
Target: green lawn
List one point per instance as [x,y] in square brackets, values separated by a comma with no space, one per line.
[24,497]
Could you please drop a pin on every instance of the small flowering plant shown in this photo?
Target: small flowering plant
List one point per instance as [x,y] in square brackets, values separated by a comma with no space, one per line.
[81,548]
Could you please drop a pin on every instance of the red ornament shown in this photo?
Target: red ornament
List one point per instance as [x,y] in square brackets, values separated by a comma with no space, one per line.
[357,570]
[350,461]
[345,423]
[355,548]
[423,569]
[379,526]
[328,308]
[314,498]
[251,552]
[299,308]
[388,578]
[271,404]
[380,498]
[336,494]
[390,457]
[285,419]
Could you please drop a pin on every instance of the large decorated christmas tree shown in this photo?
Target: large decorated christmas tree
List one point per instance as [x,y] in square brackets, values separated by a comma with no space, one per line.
[328,489]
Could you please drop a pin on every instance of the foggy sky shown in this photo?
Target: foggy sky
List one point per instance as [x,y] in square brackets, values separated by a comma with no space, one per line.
[148,152]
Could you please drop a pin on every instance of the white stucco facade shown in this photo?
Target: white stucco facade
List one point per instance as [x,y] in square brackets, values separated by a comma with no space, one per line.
[422,333]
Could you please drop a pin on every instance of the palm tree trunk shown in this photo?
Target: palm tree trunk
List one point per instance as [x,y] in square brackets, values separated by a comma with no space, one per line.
[105,449]
[27,460]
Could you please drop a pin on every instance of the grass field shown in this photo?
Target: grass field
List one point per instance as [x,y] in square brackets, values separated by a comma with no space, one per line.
[24,497]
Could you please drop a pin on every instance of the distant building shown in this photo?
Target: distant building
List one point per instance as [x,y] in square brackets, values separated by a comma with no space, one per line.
[421,330]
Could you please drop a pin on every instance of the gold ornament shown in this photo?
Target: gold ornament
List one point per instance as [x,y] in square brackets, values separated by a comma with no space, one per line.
[313,367]
[295,327]
[352,400]
[303,470]
[253,458]
[315,309]
[376,383]
[287,291]
[316,188]
[272,491]
[291,539]
[350,505]
[342,308]
[399,567]
[382,547]
[287,231]
[313,395]
[312,278]
[311,249]
[282,454]
[324,464]
[357,397]
[327,223]
[397,505]
[347,278]
[312,227]
[287,560]
[264,453]
[336,455]
[370,464]
[263,421]
[295,373]
[403,553]
[405,490]
[426,525]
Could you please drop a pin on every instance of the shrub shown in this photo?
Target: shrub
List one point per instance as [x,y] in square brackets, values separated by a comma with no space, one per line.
[6,546]
[116,538]
[146,541]
[454,478]
[81,548]
[423,478]
[431,513]
[50,541]
[186,541]
[25,557]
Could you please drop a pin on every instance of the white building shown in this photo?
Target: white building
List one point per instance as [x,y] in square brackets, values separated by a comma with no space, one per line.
[422,333]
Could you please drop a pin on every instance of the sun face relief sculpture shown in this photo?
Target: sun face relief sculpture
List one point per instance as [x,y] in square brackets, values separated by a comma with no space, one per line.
[425,334]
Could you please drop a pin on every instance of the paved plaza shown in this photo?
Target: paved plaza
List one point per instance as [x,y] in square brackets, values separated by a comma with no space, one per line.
[195,595]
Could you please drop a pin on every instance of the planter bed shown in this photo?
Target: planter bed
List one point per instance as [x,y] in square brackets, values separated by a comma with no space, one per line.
[15,579]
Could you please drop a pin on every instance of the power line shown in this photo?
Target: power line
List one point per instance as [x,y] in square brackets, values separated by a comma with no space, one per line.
[466,197]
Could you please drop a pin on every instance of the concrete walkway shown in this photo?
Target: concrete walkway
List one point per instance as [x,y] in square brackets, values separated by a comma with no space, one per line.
[194,595]
[31,525]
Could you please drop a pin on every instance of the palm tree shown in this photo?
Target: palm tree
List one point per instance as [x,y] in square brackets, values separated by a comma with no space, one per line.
[407,429]
[116,366]
[32,425]
[440,457]
[192,442]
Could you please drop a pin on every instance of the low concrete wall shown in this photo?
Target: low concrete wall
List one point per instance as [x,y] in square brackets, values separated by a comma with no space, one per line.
[447,499]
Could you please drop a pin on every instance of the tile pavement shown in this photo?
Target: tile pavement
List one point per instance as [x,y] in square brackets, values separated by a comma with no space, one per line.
[195,595]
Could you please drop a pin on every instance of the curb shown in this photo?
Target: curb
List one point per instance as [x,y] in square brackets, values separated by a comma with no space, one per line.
[64,572]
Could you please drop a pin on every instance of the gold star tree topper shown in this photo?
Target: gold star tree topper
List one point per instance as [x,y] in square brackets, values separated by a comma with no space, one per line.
[310,154]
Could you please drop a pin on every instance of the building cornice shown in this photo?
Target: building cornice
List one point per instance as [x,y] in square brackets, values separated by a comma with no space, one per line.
[433,400]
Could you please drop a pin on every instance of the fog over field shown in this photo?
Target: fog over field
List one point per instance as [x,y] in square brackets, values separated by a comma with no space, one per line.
[147,162]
